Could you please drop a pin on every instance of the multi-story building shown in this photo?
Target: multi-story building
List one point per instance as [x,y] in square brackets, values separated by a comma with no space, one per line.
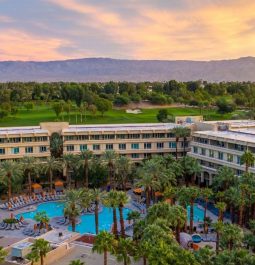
[136,141]
[216,144]
[15,142]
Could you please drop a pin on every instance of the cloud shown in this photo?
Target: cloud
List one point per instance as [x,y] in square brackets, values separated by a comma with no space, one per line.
[140,29]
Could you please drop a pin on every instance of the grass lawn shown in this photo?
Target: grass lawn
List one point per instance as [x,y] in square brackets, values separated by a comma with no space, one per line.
[44,114]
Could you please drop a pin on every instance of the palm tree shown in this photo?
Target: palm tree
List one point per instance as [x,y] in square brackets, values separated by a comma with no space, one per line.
[104,243]
[51,164]
[110,158]
[224,179]
[122,200]
[189,194]
[179,132]
[70,160]
[10,171]
[206,194]
[42,247]
[149,184]
[180,217]
[231,236]
[218,228]
[124,169]
[111,200]
[56,145]
[29,166]
[74,201]
[76,262]
[123,250]
[33,256]
[86,155]
[170,194]
[133,215]
[191,168]
[97,196]
[221,206]
[3,254]
[247,159]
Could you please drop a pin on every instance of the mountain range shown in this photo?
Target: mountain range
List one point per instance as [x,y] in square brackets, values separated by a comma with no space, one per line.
[106,69]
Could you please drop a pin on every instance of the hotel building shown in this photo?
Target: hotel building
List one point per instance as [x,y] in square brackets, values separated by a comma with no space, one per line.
[136,141]
[216,144]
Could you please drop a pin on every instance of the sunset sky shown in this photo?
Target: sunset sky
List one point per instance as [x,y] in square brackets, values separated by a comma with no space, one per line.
[132,29]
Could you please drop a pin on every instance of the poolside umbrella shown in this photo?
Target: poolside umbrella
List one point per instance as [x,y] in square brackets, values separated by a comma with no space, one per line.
[158,194]
[59,185]
[37,188]
[137,191]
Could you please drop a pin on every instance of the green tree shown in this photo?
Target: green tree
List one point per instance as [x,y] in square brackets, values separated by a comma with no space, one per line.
[33,256]
[10,171]
[42,247]
[124,169]
[57,107]
[3,254]
[104,243]
[97,196]
[123,199]
[206,194]
[180,132]
[70,163]
[223,179]
[162,115]
[49,166]
[123,250]
[231,237]
[86,156]
[103,105]
[248,160]
[74,201]
[111,200]
[110,157]
[29,165]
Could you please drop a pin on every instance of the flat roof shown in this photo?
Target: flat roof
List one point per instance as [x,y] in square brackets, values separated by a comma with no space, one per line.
[121,127]
[245,136]
[22,245]
[22,130]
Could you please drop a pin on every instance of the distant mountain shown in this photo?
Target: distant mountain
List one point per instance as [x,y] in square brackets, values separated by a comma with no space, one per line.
[104,69]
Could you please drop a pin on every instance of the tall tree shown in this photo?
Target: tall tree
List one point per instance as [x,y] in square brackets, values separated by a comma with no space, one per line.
[247,159]
[122,200]
[86,156]
[97,196]
[180,132]
[104,243]
[42,247]
[30,165]
[124,169]
[206,194]
[51,164]
[110,157]
[10,171]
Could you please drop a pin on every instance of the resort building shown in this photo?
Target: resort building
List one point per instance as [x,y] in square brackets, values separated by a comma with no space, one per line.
[221,143]
[136,141]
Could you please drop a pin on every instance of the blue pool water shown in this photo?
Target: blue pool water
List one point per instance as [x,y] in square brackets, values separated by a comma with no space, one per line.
[87,225]
[198,214]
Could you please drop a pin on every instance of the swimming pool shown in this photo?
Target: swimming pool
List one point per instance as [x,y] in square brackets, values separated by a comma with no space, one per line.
[198,214]
[87,225]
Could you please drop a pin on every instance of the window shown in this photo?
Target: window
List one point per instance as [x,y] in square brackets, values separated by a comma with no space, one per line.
[14,140]
[211,153]
[135,155]
[238,160]
[109,147]
[134,146]
[96,147]
[172,144]
[122,136]
[2,140]
[160,145]
[29,150]
[203,152]
[122,146]
[147,135]
[108,136]
[41,139]
[195,149]
[159,135]
[94,137]
[134,136]
[2,151]
[147,155]
[82,137]
[27,139]
[69,138]
[83,147]
[15,150]
[170,135]
[70,148]
[220,155]
[147,145]
[230,158]
[42,149]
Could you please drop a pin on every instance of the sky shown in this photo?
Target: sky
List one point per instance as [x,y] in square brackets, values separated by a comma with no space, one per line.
[45,30]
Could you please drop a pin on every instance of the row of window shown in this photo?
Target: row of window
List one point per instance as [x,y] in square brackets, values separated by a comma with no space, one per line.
[28,150]
[134,146]
[117,136]
[24,139]
[217,154]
